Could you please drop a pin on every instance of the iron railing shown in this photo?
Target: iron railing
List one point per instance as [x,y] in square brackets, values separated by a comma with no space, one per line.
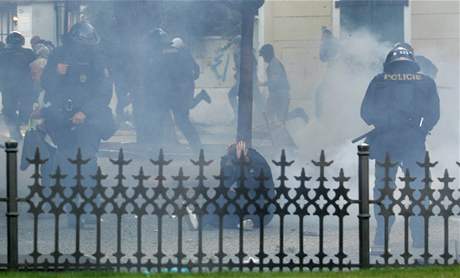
[168,201]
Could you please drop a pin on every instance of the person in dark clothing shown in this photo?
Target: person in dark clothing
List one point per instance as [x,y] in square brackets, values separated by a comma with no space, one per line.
[178,43]
[231,169]
[78,91]
[180,71]
[277,108]
[403,106]
[329,46]
[278,86]
[328,52]
[16,83]
[154,123]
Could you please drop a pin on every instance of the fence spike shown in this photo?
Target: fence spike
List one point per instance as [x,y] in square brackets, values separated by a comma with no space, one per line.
[427,162]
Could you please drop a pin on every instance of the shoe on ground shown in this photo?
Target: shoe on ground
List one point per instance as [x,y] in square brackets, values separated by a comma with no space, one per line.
[253,260]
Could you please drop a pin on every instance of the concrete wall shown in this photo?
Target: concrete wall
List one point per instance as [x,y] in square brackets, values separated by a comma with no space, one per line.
[24,24]
[432,26]
[435,33]
[217,88]
[294,28]
[44,21]
[37,19]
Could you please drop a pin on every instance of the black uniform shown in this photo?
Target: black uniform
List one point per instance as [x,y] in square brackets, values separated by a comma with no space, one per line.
[154,123]
[16,86]
[180,70]
[86,87]
[403,106]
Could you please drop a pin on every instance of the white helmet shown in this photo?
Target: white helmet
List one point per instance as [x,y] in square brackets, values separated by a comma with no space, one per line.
[177,43]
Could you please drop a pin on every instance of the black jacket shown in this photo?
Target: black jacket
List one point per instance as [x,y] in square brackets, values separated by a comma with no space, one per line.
[15,74]
[403,107]
[255,165]
[86,87]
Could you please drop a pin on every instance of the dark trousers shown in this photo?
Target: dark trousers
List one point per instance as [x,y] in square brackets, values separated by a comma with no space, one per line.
[181,115]
[153,121]
[405,161]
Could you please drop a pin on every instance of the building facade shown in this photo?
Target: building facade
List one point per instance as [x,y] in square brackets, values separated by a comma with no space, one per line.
[431,26]
[294,28]
[48,19]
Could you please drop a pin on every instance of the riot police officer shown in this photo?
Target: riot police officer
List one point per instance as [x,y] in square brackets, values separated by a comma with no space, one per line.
[154,123]
[181,70]
[403,106]
[78,90]
[16,83]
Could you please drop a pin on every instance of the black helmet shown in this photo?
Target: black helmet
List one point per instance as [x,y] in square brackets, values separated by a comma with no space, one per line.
[15,38]
[83,33]
[401,54]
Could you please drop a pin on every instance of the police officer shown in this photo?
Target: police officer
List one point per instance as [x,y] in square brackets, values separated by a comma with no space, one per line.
[189,83]
[181,70]
[403,106]
[16,83]
[154,123]
[78,90]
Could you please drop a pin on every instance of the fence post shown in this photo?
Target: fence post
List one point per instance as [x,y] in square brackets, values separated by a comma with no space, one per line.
[363,153]
[11,149]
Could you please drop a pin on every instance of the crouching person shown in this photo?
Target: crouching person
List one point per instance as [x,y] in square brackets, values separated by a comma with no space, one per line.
[78,91]
[258,195]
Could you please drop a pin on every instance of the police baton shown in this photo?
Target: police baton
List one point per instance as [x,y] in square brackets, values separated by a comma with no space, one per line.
[361,137]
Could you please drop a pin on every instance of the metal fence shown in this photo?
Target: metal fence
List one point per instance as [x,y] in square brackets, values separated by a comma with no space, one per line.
[163,199]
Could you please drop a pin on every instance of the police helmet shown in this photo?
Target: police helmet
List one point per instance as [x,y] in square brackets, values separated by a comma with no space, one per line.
[15,38]
[177,43]
[401,54]
[404,45]
[83,33]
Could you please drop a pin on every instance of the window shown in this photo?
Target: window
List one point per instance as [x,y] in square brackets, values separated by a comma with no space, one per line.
[384,18]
